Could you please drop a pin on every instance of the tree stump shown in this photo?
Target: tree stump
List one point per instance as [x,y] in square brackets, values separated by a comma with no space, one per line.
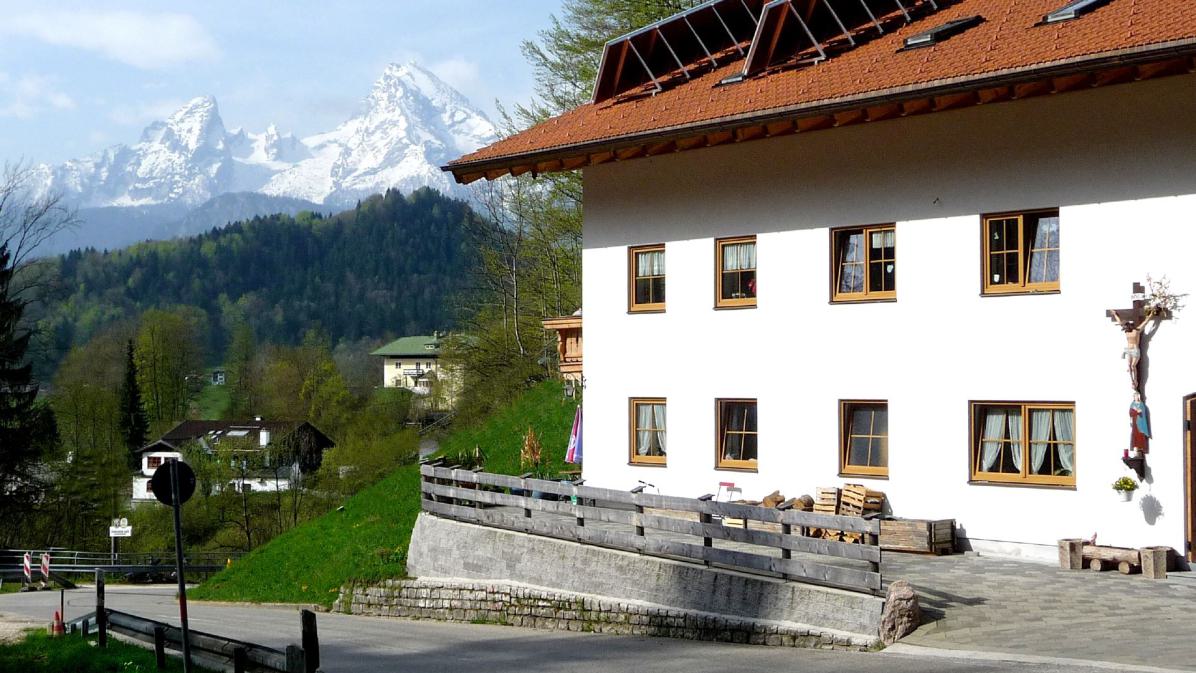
[1071,554]
[1154,562]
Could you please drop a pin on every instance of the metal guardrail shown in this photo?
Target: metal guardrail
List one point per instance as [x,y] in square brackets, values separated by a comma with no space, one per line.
[480,497]
[67,562]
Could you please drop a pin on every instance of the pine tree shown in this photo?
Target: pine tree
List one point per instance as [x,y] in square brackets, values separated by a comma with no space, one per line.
[19,416]
[134,424]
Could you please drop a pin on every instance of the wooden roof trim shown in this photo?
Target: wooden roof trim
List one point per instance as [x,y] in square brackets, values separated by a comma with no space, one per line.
[1127,65]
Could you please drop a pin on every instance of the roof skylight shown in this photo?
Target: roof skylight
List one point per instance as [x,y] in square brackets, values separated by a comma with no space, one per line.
[941,33]
[1073,10]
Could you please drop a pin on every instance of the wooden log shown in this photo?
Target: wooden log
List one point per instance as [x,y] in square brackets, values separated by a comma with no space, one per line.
[1099,565]
[1071,554]
[1114,554]
[1154,562]
[1127,568]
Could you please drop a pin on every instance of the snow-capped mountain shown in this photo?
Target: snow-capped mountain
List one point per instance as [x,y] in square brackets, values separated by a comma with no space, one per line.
[410,124]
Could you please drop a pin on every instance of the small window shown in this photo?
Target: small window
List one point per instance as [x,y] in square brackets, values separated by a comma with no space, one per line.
[865,263]
[646,266]
[649,439]
[1021,252]
[864,439]
[1024,443]
[736,273]
[737,440]
[154,462]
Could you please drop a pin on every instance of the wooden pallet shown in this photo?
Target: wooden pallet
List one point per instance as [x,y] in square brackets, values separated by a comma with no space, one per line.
[918,535]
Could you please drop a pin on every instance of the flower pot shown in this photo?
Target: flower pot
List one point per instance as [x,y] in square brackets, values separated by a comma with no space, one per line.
[1126,496]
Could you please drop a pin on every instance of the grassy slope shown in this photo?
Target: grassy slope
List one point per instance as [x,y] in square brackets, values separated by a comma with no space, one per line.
[368,540]
[212,402]
[39,653]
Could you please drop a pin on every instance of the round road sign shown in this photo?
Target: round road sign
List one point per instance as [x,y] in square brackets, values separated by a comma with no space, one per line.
[160,482]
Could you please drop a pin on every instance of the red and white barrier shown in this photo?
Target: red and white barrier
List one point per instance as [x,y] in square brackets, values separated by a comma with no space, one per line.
[28,567]
[46,566]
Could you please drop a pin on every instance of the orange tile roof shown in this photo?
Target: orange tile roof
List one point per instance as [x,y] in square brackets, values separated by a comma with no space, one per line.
[1008,43]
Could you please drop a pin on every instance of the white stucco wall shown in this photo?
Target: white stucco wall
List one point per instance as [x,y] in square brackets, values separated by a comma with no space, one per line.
[1119,162]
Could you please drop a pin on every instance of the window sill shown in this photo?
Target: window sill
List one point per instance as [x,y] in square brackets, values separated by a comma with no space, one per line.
[634,311]
[728,468]
[856,475]
[1015,484]
[633,463]
[733,307]
[1018,292]
[863,300]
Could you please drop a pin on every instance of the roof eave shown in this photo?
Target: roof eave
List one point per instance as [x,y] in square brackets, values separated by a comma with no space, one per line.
[465,172]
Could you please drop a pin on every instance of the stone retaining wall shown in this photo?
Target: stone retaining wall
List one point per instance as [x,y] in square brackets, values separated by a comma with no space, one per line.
[529,606]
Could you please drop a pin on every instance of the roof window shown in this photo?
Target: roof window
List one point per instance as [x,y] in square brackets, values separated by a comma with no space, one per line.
[1073,10]
[941,33]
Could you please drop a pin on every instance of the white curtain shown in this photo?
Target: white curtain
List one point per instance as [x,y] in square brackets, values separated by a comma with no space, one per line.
[994,430]
[851,278]
[644,419]
[649,263]
[658,413]
[739,257]
[1065,433]
[1015,436]
[884,239]
[1044,263]
[1040,434]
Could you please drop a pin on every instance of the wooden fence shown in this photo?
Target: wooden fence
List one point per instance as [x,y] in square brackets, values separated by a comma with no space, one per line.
[683,528]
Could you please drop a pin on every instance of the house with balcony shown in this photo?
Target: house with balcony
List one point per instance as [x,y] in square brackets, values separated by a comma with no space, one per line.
[903,245]
[253,447]
[414,363]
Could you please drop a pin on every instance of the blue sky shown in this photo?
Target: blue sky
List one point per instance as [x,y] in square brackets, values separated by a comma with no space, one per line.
[75,78]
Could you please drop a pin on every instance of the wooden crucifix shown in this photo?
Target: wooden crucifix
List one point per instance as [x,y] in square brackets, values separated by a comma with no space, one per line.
[1133,321]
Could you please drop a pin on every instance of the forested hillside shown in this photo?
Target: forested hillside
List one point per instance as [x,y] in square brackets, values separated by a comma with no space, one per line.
[387,267]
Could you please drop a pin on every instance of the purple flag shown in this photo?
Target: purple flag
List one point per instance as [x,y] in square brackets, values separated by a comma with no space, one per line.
[573,454]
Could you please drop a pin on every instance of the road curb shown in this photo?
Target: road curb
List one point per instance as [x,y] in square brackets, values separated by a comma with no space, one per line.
[976,655]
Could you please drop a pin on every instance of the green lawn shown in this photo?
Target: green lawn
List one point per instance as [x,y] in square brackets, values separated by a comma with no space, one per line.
[368,539]
[39,653]
[212,403]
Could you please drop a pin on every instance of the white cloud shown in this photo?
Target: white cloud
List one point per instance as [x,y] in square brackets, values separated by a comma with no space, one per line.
[139,114]
[142,40]
[27,95]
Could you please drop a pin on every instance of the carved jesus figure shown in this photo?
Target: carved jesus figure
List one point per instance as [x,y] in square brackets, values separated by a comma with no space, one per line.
[1133,343]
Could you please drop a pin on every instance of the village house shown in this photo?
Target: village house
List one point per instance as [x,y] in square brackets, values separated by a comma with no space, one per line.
[253,442]
[893,235]
[414,363]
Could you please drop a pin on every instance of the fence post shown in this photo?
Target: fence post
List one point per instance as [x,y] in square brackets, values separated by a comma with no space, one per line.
[101,613]
[527,494]
[874,540]
[240,660]
[294,659]
[311,640]
[160,647]
[786,529]
[704,518]
[85,628]
[639,509]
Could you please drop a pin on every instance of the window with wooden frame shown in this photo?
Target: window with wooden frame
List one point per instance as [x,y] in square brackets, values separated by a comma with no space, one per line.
[865,263]
[1021,252]
[153,462]
[645,287]
[649,431]
[864,438]
[1024,443]
[735,272]
[737,438]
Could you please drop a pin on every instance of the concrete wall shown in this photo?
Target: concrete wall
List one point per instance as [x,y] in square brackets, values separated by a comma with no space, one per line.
[441,548]
[1119,163]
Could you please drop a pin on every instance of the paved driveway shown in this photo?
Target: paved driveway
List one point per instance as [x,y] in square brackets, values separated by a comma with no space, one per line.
[994,605]
[372,644]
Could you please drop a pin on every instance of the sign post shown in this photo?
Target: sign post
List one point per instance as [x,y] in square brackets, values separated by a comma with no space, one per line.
[174,484]
[119,528]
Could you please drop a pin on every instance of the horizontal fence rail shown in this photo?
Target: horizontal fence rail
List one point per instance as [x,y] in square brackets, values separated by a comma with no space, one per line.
[66,562]
[683,528]
[216,649]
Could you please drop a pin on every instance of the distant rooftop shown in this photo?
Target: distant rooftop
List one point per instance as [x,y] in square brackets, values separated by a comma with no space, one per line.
[412,346]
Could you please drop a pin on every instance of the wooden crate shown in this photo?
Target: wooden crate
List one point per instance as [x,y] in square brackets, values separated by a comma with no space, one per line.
[918,535]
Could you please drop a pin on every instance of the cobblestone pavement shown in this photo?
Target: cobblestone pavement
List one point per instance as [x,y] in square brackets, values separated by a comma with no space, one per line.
[995,605]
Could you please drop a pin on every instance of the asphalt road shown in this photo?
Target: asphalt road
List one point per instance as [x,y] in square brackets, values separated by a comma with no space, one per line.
[373,644]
